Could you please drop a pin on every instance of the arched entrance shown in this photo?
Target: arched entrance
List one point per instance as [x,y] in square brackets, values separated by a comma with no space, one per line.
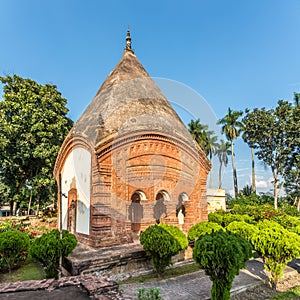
[160,208]
[136,211]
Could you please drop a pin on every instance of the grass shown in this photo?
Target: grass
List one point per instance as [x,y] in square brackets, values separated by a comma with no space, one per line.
[30,270]
[292,294]
[169,273]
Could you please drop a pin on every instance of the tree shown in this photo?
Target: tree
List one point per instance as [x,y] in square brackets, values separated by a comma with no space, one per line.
[222,151]
[221,254]
[14,246]
[269,133]
[277,246]
[202,228]
[291,172]
[160,245]
[33,127]
[252,158]
[205,138]
[50,247]
[232,128]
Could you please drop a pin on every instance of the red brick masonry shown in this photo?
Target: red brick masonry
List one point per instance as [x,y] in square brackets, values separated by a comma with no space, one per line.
[97,288]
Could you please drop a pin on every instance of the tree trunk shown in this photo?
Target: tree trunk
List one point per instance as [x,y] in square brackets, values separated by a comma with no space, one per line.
[29,204]
[37,204]
[235,184]
[220,176]
[210,172]
[14,209]
[275,191]
[253,172]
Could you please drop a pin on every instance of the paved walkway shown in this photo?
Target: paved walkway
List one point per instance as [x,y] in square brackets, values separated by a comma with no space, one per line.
[197,286]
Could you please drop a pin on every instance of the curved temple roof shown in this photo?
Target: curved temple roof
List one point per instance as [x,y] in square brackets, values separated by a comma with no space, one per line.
[129,101]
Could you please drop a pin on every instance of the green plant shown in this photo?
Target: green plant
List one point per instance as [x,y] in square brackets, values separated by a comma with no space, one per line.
[202,228]
[177,234]
[49,247]
[160,245]
[225,218]
[221,254]
[149,294]
[243,229]
[14,247]
[277,246]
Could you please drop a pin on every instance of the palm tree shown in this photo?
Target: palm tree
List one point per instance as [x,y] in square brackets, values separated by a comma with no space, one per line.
[222,151]
[198,132]
[211,148]
[205,139]
[231,129]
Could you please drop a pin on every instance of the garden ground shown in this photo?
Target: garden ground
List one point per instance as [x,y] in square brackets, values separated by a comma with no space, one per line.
[248,285]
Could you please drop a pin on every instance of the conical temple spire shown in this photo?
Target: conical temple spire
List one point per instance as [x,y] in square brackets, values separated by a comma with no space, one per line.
[128,41]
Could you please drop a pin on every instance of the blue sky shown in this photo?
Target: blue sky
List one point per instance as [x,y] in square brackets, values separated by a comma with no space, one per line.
[236,53]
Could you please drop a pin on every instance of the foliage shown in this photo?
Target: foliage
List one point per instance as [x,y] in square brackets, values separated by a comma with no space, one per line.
[149,294]
[33,126]
[252,199]
[225,218]
[202,228]
[177,234]
[231,127]
[272,134]
[14,247]
[221,254]
[277,246]
[160,245]
[203,136]
[243,229]
[49,247]
[288,222]
[222,151]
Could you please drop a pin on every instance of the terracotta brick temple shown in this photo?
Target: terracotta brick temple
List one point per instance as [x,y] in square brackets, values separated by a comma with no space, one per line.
[129,162]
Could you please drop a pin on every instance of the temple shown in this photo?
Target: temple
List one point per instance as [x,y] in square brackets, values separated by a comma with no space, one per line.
[129,162]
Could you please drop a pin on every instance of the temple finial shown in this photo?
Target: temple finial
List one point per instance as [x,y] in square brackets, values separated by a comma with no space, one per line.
[128,41]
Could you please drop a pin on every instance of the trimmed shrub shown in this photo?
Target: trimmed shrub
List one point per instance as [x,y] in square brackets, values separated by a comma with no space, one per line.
[177,234]
[221,254]
[160,245]
[202,228]
[243,229]
[49,247]
[288,222]
[277,246]
[224,219]
[14,247]
[217,217]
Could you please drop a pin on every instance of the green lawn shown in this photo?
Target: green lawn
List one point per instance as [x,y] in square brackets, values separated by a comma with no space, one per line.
[28,271]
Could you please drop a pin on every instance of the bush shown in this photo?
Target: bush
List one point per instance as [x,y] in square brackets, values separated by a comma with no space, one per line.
[277,246]
[160,245]
[49,247]
[177,234]
[202,228]
[226,218]
[14,247]
[288,222]
[243,229]
[221,254]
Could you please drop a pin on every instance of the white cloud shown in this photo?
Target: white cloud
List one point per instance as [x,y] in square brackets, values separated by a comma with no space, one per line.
[263,183]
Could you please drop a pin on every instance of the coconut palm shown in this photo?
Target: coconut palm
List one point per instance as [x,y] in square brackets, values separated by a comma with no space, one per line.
[232,128]
[222,151]
[206,139]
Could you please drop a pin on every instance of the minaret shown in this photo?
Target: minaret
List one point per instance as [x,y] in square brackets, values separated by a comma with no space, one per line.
[128,41]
